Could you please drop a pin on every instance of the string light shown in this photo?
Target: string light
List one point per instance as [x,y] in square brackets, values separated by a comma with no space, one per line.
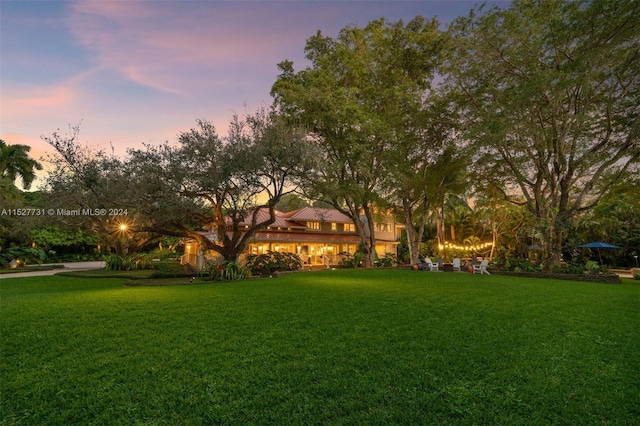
[471,247]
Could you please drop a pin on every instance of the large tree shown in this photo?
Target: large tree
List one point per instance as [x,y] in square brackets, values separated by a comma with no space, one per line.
[360,98]
[228,185]
[206,182]
[91,189]
[550,93]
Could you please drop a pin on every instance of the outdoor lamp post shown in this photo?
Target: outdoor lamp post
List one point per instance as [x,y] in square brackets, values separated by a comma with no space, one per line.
[636,258]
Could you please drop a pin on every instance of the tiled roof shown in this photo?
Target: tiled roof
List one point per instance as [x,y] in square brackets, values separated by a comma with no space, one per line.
[316,214]
[263,215]
[297,218]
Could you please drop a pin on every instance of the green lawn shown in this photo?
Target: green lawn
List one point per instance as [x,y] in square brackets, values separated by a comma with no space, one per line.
[331,347]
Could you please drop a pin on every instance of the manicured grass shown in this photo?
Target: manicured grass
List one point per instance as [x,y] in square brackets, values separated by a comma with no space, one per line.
[331,347]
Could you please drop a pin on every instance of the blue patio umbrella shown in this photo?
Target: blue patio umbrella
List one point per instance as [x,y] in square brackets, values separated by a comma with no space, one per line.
[599,245]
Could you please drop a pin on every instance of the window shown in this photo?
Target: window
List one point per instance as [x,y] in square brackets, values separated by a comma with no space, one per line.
[382,227]
[334,226]
[349,227]
[313,225]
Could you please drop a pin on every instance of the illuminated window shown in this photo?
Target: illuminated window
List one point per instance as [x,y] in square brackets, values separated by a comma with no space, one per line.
[313,225]
[349,227]
[334,226]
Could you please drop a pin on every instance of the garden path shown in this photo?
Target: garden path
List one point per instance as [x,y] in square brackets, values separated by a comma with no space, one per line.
[68,266]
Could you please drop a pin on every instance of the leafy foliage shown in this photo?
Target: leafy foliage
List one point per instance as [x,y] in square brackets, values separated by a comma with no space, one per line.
[24,254]
[135,262]
[229,185]
[15,163]
[362,99]
[592,267]
[550,93]
[54,236]
[388,260]
[267,263]
[228,271]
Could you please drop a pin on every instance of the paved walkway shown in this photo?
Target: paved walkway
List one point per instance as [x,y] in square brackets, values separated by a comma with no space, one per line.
[68,266]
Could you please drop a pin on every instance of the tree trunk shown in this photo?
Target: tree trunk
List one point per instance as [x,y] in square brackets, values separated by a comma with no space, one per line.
[552,245]
[414,234]
[369,256]
[412,239]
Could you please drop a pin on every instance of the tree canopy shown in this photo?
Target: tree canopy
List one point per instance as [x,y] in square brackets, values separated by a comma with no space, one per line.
[15,163]
[363,100]
[550,96]
[224,185]
[535,107]
[205,183]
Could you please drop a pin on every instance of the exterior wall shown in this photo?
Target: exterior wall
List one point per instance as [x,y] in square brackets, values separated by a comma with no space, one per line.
[310,253]
[317,242]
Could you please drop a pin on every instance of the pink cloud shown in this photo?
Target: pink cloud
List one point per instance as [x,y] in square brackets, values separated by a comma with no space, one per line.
[176,49]
[35,98]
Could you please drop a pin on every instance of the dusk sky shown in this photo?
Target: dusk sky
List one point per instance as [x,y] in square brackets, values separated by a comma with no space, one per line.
[134,72]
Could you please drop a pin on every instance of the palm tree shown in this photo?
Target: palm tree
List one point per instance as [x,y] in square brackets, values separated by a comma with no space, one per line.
[15,163]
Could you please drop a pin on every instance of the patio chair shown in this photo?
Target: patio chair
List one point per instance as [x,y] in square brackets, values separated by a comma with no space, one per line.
[422,266]
[456,264]
[481,268]
[432,266]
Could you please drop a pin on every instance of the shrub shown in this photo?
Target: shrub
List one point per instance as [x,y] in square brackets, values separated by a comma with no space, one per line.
[169,269]
[271,261]
[592,267]
[358,259]
[136,262]
[346,263]
[113,262]
[518,265]
[228,271]
[575,268]
[388,260]
[24,254]
[162,254]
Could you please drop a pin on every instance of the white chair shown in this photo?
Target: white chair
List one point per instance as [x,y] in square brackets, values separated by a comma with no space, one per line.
[456,264]
[432,266]
[481,268]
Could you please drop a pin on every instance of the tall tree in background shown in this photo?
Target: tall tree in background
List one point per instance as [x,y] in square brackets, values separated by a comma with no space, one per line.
[550,91]
[359,99]
[15,163]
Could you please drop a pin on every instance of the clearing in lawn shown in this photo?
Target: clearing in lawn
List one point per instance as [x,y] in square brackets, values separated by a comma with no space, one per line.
[329,347]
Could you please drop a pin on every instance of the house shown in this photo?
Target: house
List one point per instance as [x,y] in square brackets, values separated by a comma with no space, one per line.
[321,237]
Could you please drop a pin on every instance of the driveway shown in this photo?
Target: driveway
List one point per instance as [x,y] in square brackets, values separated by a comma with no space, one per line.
[68,266]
